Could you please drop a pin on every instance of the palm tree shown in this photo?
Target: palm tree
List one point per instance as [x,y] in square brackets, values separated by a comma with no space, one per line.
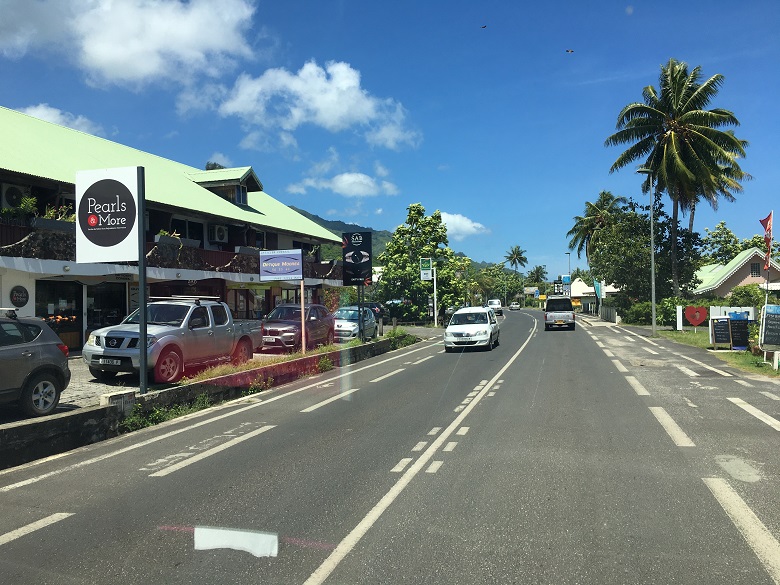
[680,144]
[516,257]
[596,217]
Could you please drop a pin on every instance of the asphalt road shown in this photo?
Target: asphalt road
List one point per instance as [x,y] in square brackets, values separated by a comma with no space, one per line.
[593,456]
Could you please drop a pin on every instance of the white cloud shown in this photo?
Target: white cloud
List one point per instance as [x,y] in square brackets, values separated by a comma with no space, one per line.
[379,211]
[459,227]
[330,98]
[380,169]
[221,159]
[347,184]
[56,116]
[132,42]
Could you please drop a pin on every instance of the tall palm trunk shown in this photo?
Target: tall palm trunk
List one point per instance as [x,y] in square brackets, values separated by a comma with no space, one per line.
[690,217]
[673,236]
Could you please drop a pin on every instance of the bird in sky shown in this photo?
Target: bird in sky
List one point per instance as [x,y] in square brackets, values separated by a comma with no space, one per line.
[484,26]
[569,50]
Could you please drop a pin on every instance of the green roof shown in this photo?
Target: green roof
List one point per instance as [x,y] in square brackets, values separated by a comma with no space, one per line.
[41,149]
[713,275]
[243,175]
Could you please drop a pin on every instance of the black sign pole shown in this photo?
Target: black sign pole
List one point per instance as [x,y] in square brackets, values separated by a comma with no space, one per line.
[143,368]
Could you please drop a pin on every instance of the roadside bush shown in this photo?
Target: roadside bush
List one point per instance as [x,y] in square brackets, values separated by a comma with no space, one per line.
[666,310]
[639,314]
[399,338]
[138,419]
[325,364]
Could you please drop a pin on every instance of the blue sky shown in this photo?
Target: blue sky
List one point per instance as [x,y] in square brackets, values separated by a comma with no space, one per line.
[353,110]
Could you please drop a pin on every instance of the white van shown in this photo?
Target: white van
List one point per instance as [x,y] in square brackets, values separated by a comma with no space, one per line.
[495,304]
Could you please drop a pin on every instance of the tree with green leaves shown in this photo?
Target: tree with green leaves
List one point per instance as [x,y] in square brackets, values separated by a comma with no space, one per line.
[516,257]
[681,145]
[597,216]
[420,236]
[583,275]
[537,275]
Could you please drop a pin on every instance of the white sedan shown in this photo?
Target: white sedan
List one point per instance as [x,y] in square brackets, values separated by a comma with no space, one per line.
[472,327]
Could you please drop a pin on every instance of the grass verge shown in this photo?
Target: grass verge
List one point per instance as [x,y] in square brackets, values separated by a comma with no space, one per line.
[741,360]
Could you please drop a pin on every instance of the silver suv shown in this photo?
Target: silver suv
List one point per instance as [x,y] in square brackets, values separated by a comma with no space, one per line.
[33,364]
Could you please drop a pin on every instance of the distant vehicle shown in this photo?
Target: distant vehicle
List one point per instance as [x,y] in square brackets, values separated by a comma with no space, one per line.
[282,327]
[472,327]
[514,306]
[347,327]
[495,304]
[558,312]
[33,364]
[181,332]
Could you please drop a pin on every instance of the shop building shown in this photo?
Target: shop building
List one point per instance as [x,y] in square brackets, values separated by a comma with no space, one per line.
[220,219]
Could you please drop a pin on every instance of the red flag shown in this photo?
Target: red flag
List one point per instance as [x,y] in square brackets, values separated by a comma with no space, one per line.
[767,223]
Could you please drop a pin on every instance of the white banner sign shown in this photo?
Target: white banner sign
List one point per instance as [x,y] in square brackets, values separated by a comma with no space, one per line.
[107,215]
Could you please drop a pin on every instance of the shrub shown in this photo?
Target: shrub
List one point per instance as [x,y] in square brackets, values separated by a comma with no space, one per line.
[639,314]
[325,364]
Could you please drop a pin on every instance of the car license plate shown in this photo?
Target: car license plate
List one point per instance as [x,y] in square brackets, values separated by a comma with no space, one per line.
[559,322]
[110,362]
[268,339]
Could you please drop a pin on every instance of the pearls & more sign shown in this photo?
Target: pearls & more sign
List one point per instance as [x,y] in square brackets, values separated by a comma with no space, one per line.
[107,214]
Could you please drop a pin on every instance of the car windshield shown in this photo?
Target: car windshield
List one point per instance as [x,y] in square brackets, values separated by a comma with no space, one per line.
[163,314]
[346,314]
[469,319]
[285,314]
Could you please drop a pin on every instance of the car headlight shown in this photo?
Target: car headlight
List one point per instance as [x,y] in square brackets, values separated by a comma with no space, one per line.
[481,332]
[150,341]
[93,340]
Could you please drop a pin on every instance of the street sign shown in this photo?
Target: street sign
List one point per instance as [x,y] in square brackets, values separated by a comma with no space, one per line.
[426,269]
[356,256]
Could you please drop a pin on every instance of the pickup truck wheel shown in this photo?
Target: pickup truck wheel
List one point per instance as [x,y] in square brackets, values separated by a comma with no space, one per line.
[242,353]
[41,395]
[102,375]
[169,367]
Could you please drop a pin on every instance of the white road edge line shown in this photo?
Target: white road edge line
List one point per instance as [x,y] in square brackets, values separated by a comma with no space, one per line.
[620,367]
[32,527]
[687,371]
[329,400]
[672,428]
[210,452]
[703,365]
[637,386]
[759,414]
[770,395]
[350,541]
[764,545]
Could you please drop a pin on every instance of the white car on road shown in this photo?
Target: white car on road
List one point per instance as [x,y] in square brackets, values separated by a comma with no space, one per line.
[472,327]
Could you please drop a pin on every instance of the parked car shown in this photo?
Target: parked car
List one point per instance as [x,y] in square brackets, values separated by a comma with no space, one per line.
[347,327]
[495,304]
[377,308]
[514,306]
[181,332]
[33,364]
[558,312]
[282,327]
[472,327]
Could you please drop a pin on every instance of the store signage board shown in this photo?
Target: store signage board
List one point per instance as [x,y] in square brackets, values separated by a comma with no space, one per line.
[107,203]
[356,250]
[769,334]
[720,331]
[281,265]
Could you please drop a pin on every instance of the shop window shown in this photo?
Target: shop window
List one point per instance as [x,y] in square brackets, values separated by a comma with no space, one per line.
[106,304]
[60,305]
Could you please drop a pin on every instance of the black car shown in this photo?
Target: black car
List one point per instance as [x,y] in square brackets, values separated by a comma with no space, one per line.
[282,327]
[33,364]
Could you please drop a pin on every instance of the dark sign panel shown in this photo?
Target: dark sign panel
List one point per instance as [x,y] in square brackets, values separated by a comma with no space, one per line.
[739,333]
[770,328]
[19,296]
[720,332]
[356,254]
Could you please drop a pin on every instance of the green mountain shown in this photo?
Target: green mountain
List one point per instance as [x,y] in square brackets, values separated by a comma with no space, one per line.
[379,238]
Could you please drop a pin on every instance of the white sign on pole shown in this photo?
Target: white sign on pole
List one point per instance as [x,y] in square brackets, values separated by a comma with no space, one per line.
[426,269]
[107,215]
